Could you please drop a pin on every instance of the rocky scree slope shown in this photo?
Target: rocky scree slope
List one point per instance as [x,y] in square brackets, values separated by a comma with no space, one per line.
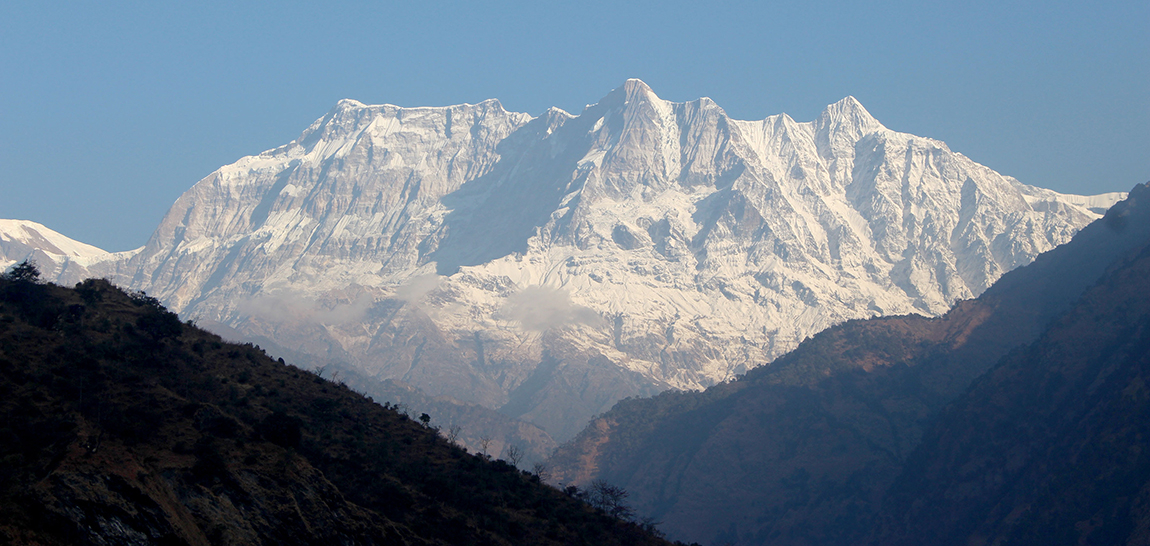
[550,266]
[804,450]
[121,425]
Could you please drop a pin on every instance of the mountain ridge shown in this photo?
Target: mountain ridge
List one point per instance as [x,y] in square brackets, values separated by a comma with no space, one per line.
[806,450]
[1045,447]
[649,244]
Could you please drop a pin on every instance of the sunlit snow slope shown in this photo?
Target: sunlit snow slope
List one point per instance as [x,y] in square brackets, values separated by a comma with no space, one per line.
[58,255]
[549,266]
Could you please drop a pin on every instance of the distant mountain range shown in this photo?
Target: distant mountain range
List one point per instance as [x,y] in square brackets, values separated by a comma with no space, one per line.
[1019,417]
[549,266]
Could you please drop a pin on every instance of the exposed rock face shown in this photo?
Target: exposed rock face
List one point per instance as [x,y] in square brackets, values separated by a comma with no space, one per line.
[550,266]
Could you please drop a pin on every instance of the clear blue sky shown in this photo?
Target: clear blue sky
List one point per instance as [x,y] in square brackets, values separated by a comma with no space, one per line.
[110,110]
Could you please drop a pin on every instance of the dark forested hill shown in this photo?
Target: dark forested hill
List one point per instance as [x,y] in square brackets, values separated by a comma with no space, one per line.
[121,425]
[804,451]
[1052,446]
[474,424]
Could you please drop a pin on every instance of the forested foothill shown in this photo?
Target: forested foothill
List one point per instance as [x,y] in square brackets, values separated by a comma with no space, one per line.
[120,424]
[1019,417]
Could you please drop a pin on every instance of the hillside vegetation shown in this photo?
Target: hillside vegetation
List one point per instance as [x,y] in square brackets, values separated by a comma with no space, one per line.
[1049,447]
[121,425]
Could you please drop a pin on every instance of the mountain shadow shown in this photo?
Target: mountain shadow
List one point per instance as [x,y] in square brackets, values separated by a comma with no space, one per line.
[804,450]
[1049,446]
[494,215]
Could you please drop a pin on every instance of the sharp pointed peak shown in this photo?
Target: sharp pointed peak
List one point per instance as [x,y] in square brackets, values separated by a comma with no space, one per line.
[849,110]
[635,84]
[849,101]
[557,111]
[631,90]
[847,104]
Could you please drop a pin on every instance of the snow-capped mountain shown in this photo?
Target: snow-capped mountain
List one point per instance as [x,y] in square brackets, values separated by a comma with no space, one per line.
[58,255]
[551,265]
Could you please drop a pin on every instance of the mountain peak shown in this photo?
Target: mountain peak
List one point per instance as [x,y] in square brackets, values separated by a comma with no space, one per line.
[849,101]
[349,103]
[37,237]
[842,123]
[851,111]
[635,85]
[631,91]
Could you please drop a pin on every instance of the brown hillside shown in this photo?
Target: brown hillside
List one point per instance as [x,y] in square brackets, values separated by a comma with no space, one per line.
[121,425]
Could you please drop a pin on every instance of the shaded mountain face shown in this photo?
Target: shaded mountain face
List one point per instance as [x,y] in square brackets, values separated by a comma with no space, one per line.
[550,266]
[804,451]
[1049,447]
[122,425]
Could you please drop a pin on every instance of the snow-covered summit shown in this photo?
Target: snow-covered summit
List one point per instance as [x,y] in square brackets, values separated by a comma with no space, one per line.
[58,256]
[551,265]
[36,236]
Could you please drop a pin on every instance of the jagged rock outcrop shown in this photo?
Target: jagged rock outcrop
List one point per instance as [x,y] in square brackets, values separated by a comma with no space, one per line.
[550,266]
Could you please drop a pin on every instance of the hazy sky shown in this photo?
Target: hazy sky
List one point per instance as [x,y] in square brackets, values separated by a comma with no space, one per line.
[111,110]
